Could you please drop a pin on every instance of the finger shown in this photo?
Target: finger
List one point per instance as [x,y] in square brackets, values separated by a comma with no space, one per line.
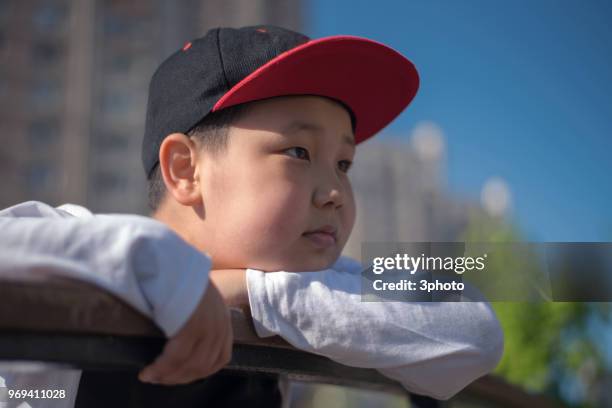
[224,344]
[226,352]
[207,358]
[202,361]
[176,352]
[223,354]
[196,368]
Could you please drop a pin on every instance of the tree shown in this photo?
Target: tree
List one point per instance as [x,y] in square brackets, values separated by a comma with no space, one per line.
[550,347]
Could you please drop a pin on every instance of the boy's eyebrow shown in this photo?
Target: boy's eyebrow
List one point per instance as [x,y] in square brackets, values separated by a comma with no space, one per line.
[298,125]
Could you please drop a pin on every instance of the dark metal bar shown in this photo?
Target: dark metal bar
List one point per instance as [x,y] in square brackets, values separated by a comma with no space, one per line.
[91,352]
[58,320]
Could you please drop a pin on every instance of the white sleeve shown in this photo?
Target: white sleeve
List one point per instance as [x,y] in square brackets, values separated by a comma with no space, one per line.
[136,258]
[432,348]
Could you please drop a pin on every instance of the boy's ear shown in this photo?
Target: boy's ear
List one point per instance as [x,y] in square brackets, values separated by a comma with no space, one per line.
[178,159]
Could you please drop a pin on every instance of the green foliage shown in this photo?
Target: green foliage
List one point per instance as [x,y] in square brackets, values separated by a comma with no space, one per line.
[547,345]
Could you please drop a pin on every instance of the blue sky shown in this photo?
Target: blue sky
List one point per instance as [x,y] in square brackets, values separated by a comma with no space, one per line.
[522,90]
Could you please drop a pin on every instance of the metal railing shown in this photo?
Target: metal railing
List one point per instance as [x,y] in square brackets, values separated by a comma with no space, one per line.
[58,320]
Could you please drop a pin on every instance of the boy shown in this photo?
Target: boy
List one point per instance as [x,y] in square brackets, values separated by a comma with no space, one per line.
[249,137]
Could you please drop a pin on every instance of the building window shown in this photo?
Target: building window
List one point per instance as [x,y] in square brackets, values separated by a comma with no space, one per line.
[50,17]
[46,53]
[111,141]
[107,181]
[115,103]
[43,133]
[4,10]
[45,94]
[121,63]
[39,176]
[115,25]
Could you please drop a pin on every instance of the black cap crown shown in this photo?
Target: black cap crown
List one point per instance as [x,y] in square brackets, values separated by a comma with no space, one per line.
[186,86]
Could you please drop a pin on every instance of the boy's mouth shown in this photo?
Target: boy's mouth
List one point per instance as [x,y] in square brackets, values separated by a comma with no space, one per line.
[323,237]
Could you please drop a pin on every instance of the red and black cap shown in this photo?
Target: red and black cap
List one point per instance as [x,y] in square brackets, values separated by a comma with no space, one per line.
[231,66]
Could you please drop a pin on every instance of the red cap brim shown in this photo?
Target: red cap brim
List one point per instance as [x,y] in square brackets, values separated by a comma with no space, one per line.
[374,80]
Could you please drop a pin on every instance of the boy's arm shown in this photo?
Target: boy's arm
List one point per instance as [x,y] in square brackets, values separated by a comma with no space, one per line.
[433,349]
[136,258]
[232,286]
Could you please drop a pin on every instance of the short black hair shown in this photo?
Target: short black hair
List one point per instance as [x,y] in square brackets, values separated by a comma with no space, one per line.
[212,134]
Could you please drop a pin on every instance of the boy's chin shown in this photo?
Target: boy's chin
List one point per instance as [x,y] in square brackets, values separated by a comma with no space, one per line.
[297,265]
[277,265]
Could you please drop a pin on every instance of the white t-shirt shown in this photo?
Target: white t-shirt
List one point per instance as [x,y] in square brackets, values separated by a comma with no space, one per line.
[432,348]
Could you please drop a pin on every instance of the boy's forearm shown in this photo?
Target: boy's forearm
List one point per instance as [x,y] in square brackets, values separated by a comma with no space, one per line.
[232,286]
[433,349]
[134,258]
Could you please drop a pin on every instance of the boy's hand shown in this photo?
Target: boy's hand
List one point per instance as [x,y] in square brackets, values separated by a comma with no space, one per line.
[200,348]
[232,286]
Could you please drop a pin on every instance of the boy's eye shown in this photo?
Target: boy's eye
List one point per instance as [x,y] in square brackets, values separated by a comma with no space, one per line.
[344,165]
[299,153]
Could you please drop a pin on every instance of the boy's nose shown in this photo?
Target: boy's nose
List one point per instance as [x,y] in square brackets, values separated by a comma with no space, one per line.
[330,196]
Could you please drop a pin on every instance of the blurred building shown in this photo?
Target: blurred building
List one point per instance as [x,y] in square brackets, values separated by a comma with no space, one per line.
[73,88]
[402,194]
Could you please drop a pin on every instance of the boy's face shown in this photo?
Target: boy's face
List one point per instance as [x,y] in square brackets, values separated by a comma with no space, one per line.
[279,198]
